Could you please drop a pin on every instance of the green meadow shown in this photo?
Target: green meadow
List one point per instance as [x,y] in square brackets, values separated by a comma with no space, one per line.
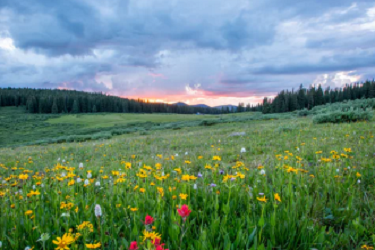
[250,181]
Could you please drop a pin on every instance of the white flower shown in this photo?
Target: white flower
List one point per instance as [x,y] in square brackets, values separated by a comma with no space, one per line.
[87,182]
[262,172]
[348,167]
[63,161]
[162,173]
[176,154]
[97,183]
[34,187]
[44,237]
[219,141]
[195,186]
[65,215]
[79,180]
[243,150]
[186,153]
[98,210]
[297,149]
[4,181]
[42,185]
[359,181]
[63,174]
[80,165]
[58,159]
[89,175]
[337,170]
[20,191]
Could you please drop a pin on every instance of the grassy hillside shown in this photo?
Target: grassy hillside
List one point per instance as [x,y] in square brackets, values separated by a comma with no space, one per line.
[316,191]
[20,128]
[110,119]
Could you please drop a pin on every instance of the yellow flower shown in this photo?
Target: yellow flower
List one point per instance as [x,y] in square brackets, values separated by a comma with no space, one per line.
[134,209]
[151,235]
[358,175]
[23,176]
[174,197]
[76,209]
[33,193]
[185,177]
[142,190]
[183,196]
[28,212]
[160,191]
[86,225]
[200,157]
[366,247]
[216,158]
[262,199]
[64,242]
[93,246]
[277,197]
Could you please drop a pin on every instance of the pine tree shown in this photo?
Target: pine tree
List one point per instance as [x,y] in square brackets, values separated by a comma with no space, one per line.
[55,109]
[75,109]
[301,98]
[371,93]
[319,98]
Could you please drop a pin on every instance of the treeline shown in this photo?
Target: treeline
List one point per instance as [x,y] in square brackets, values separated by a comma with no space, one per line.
[56,101]
[287,101]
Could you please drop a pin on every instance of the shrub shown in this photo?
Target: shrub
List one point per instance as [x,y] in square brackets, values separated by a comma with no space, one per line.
[343,116]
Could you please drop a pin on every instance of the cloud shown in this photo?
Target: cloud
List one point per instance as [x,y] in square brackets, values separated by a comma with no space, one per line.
[161,50]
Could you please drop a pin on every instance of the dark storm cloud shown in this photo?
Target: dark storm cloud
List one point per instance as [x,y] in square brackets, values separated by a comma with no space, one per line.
[233,48]
[326,64]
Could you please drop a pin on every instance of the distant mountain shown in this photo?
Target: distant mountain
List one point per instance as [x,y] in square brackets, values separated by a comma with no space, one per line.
[195,105]
[180,104]
[200,106]
[231,107]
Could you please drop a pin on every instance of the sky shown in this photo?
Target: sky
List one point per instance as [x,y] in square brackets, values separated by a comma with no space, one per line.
[213,52]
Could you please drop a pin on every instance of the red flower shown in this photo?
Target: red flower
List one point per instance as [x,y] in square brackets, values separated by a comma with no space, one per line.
[160,247]
[149,220]
[157,242]
[184,211]
[133,246]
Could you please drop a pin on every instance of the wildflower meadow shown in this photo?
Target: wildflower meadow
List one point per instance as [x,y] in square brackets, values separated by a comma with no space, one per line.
[230,186]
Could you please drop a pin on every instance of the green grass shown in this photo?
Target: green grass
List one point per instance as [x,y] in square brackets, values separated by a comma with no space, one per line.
[19,128]
[330,210]
[110,120]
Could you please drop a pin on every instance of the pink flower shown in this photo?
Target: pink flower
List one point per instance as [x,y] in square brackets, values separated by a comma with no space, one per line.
[149,220]
[184,211]
[133,245]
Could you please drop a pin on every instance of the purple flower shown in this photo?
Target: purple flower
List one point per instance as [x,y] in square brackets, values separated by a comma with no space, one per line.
[200,175]
[261,194]
[213,185]
[232,179]
[221,171]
